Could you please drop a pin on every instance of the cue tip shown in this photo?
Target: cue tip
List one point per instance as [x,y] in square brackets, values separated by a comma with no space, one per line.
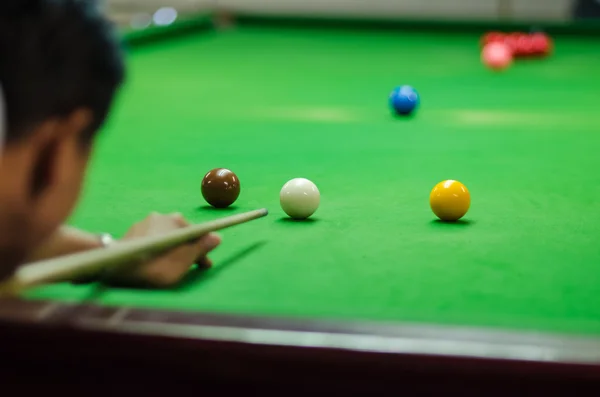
[260,212]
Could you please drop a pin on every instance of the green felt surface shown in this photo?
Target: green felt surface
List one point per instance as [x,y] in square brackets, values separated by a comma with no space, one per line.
[274,104]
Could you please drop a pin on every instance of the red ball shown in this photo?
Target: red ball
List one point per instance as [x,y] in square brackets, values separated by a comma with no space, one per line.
[491,37]
[541,44]
[497,56]
[524,46]
[511,41]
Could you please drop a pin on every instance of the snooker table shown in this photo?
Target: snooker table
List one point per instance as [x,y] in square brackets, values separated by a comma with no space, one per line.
[371,294]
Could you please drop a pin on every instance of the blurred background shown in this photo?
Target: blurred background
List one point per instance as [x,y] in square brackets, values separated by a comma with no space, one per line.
[142,13]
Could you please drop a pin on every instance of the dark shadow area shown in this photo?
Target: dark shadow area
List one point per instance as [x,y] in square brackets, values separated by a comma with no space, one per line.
[194,276]
[214,209]
[288,220]
[588,10]
[407,117]
[199,274]
[96,292]
[459,223]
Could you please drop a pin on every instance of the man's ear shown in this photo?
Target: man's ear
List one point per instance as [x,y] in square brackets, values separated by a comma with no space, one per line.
[76,125]
[58,149]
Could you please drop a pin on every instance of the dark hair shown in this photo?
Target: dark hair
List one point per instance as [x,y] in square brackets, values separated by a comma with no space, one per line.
[56,56]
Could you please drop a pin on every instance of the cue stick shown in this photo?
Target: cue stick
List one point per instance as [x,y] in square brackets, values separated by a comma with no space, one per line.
[79,264]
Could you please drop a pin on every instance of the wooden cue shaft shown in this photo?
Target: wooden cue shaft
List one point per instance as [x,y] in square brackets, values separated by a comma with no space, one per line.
[83,263]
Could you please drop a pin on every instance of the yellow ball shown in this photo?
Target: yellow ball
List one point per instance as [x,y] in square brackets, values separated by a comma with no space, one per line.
[450,200]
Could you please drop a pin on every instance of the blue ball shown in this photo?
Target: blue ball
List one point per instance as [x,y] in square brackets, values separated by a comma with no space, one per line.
[404,100]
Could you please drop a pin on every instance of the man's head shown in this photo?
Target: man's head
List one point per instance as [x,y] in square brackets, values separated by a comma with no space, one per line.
[60,66]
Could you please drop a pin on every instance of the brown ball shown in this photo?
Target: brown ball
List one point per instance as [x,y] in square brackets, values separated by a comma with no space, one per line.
[220,187]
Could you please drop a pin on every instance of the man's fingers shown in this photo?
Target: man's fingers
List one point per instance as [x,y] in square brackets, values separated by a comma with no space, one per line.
[179,219]
[207,244]
[204,263]
[171,267]
[168,269]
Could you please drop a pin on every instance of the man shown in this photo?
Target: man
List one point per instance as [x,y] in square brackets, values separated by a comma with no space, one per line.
[60,68]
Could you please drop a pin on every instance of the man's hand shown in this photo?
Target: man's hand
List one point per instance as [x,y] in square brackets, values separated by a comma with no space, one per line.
[163,271]
[171,267]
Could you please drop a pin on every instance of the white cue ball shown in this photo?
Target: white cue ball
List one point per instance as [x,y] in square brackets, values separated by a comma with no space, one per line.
[299,198]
